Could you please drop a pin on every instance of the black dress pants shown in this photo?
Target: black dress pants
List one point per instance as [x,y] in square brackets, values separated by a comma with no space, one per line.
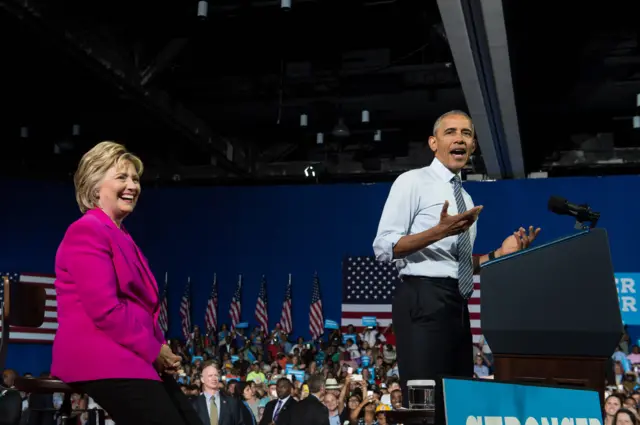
[433,333]
[142,401]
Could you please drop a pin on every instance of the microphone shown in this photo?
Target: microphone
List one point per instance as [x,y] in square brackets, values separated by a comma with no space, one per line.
[561,206]
[582,213]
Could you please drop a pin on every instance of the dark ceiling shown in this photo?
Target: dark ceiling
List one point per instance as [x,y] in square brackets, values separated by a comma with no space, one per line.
[220,100]
[576,74]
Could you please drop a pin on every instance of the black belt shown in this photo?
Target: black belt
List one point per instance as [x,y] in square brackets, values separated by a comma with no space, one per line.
[410,278]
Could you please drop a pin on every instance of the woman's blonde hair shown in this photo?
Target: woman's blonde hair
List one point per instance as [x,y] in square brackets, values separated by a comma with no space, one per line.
[94,165]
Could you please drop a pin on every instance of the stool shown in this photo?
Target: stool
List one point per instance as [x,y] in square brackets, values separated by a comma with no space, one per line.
[421,394]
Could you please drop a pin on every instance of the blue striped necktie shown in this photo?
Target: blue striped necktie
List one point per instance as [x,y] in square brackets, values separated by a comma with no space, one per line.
[465,259]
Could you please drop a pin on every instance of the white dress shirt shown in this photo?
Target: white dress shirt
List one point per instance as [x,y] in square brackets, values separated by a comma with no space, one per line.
[216,398]
[414,205]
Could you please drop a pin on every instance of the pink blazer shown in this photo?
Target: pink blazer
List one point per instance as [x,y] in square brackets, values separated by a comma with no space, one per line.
[108,305]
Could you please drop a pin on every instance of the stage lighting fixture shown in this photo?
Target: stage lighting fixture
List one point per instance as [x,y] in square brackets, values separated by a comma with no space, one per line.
[203,9]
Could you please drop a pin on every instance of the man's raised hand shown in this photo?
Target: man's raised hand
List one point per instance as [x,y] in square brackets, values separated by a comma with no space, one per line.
[456,224]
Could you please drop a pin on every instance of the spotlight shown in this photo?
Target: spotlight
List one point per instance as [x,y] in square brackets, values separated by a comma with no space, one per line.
[285,4]
[203,9]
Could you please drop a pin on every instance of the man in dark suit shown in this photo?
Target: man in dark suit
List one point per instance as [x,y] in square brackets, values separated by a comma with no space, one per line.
[213,407]
[311,411]
[278,411]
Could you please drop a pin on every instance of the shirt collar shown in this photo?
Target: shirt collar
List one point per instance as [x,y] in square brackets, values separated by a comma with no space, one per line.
[283,401]
[208,396]
[441,171]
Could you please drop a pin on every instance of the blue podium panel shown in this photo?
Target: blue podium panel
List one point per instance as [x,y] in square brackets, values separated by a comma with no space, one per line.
[483,402]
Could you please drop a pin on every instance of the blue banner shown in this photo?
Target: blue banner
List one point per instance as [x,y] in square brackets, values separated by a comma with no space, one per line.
[369,321]
[628,297]
[299,374]
[345,337]
[490,402]
[242,325]
[331,324]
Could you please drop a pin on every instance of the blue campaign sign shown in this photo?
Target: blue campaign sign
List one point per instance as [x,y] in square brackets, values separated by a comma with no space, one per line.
[499,403]
[299,374]
[345,337]
[331,324]
[628,297]
[369,321]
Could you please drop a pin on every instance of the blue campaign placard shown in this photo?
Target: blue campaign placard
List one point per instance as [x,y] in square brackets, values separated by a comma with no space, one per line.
[345,337]
[493,403]
[331,324]
[369,321]
[627,286]
[299,374]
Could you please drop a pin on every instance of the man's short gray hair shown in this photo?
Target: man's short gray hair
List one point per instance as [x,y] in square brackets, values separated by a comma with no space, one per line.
[436,125]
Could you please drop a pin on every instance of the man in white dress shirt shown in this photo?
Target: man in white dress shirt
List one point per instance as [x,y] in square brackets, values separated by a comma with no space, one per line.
[427,228]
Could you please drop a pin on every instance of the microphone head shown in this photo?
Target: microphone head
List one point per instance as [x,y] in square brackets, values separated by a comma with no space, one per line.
[557,205]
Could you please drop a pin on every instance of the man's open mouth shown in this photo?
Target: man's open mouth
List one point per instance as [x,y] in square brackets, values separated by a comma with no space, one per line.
[459,153]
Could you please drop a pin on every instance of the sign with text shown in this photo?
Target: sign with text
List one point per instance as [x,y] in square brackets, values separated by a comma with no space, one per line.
[499,403]
[626,284]
[369,321]
[331,324]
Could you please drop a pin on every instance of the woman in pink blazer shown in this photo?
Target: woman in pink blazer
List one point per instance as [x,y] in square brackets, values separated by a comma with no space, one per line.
[109,343]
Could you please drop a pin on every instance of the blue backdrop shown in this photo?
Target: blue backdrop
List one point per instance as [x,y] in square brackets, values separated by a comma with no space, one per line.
[285,229]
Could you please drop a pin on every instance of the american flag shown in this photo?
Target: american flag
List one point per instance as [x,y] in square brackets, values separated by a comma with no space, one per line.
[368,288]
[262,312]
[211,314]
[185,311]
[163,316]
[286,323]
[46,332]
[235,309]
[316,318]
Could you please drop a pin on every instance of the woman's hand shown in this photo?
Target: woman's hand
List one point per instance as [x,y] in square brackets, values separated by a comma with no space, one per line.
[167,362]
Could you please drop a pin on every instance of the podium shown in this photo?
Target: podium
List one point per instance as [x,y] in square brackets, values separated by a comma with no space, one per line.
[550,313]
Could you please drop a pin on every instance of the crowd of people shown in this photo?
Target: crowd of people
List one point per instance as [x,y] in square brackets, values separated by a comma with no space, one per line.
[622,403]
[356,381]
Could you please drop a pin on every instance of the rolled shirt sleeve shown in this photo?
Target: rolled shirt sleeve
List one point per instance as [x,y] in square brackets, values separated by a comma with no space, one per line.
[397,216]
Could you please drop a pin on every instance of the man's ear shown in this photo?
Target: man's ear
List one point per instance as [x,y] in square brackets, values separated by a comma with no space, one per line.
[433,143]
[473,145]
